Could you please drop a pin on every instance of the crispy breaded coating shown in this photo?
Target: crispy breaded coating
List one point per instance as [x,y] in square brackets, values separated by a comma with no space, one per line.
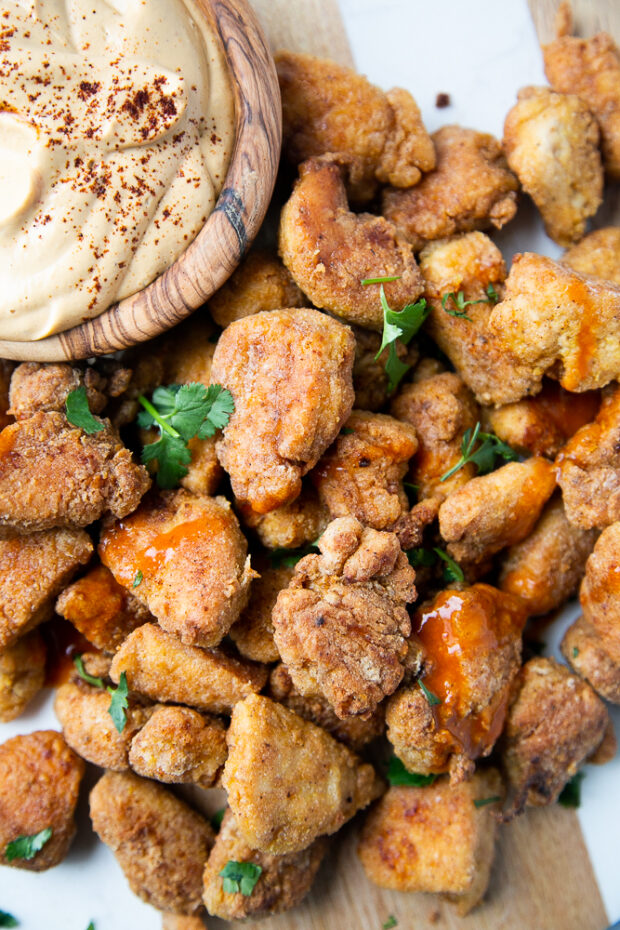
[370,380]
[22,674]
[597,254]
[342,623]
[434,839]
[590,68]
[361,474]
[585,652]
[179,745]
[261,282]
[545,569]
[54,474]
[33,571]
[185,558]
[471,188]
[554,723]
[441,408]
[283,883]
[6,371]
[43,387]
[555,321]
[39,784]
[329,250]
[291,525]
[289,372]
[600,590]
[329,108]
[588,467]
[541,425]
[253,633]
[551,143]
[354,732]
[288,781]
[471,642]
[494,511]
[160,666]
[159,842]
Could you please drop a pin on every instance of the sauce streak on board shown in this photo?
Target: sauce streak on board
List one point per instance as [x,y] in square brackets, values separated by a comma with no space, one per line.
[63,643]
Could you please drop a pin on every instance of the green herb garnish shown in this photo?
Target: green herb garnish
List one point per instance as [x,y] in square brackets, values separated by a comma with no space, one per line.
[89,679]
[91,926]
[389,923]
[399,327]
[452,571]
[460,304]
[575,652]
[26,847]
[482,802]
[347,431]
[570,795]
[492,293]
[138,579]
[240,876]
[484,455]
[419,557]
[119,703]
[181,412]
[78,412]
[217,817]
[7,920]
[381,280]
[290,557]
[432,699]
[398,775]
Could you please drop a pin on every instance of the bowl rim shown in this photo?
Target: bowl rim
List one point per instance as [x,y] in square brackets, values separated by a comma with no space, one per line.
[228,231]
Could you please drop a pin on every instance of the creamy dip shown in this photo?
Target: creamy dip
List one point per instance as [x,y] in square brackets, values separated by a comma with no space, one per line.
[116,127]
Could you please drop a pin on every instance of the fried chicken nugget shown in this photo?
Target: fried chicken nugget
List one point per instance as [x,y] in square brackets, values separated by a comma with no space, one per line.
[33,571]
[22,674]
[54,474]
[179,745]
[370,379]
[554,723]
[329,108]
[39,784]
[434,839]
[261,282]
[253,632]
[330,250]
[588,467]
[597,254]
[551,143]
[545,569]
[291,525]
[43,387]
[288,781]
[585,652]
[494,511]
[289,372]
[158,665]
[159,842]
[471,188]
[590,68]
[342,623]
[471,641]
[600,590]
[283,883]
[185,558]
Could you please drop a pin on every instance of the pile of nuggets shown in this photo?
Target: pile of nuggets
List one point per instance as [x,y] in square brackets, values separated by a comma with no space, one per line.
[291,678]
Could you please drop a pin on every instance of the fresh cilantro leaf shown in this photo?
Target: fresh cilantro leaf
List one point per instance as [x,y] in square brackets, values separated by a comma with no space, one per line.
[221,407]
[575,652]
[570,795]
[389,923]
[240,876]
[78,412]
[452,571]
[398,775]
[483,456]
[399,326]
[217,817]
[89,679]
[482,802]
[171,455]
[119,703]
[138,579]
[381,280]
[432,699]
[7,920]
[290,557]
[347,431]
[421,556]
[459,304]
[91,926]
[492,293]
[26,847]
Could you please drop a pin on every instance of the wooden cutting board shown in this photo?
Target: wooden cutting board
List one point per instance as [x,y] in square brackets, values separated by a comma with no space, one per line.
[542,877]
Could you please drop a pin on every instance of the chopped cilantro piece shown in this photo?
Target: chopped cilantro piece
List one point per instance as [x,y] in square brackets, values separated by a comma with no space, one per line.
[89,679]
[452,571]
[389,923]
[460,304]
[119,703]
[290,557]
[91,926]
[398,775]
[381,280]
[570,796]
[399,326]
[138,579]
[26,847]
[240,876]
[492,293]
[482,802]
[347,431]
[7,920]
[484,455]
[78,412]
[421,556]
[432,699]
[575,652]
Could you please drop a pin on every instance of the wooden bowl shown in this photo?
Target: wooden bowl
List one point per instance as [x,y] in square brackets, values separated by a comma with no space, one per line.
[229,230]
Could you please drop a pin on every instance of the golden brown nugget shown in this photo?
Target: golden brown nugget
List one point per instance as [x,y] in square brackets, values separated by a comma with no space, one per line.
[361,474]
[284,881]
[600,590]
[341,625]
[179,745]
[354,732]
[551,143]
[289,372]
[253,633]
[22,674]
[588,467]
[471,643]
[33,571]
[158,665]
[53,474]
[39,784]
[471,188]
[288,781]
[440,408]
[261,282]
[329,108]
[590,68]
[494,511]
[545,569]
[554,723]
[101,609]
[597,254]
[291,525]
[329,250]
[37,387]
[159,842]
[585,652]
[185,558]
[435,839]
[370,379]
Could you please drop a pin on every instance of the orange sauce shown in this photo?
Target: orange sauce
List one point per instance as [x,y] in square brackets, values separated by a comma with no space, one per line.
[567,412]
[63,643]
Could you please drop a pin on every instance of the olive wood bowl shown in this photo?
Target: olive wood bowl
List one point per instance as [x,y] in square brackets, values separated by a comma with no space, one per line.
[229,230]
